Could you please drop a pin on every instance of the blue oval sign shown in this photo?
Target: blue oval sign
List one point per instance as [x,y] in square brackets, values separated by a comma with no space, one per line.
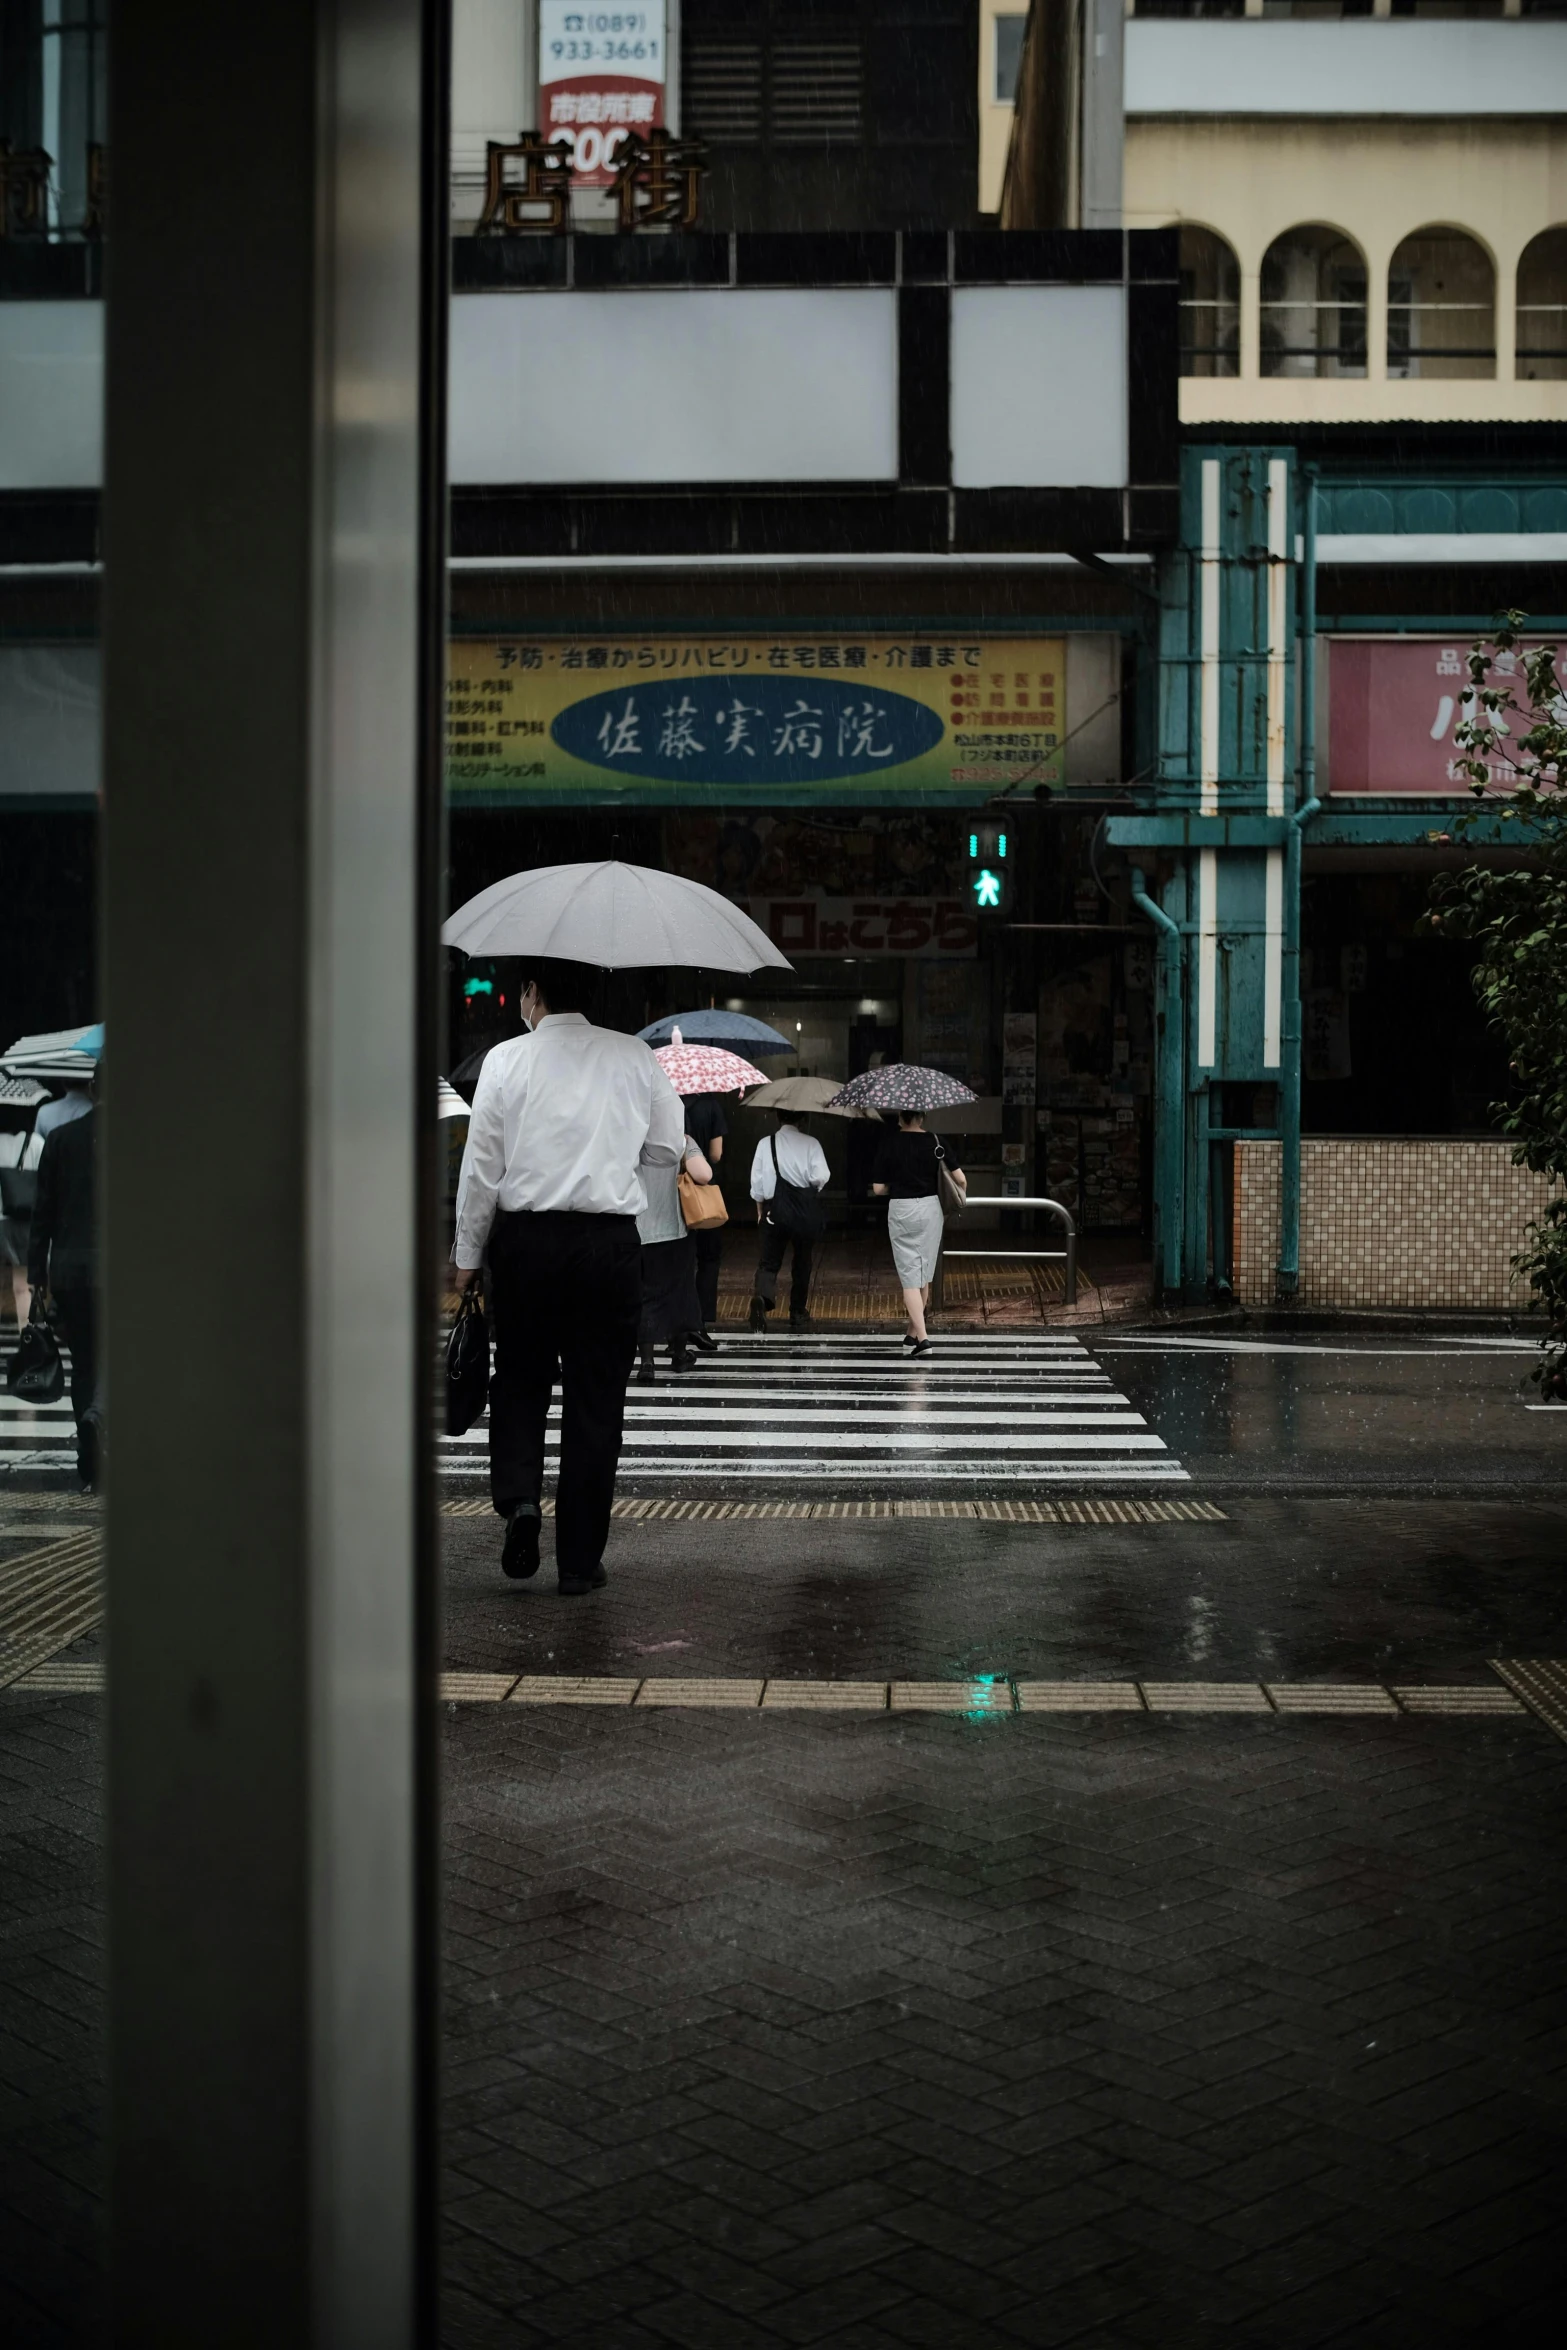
[748,730]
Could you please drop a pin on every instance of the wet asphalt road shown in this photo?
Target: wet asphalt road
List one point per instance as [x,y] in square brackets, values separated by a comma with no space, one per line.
[1354,1412]
[1393,1508]
[1288,1590]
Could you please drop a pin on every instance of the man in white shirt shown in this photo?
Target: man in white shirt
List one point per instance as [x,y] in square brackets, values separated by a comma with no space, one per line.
[788,1171]
[562,1120]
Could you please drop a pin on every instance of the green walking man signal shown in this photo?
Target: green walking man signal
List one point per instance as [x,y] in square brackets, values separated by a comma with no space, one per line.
[987,851]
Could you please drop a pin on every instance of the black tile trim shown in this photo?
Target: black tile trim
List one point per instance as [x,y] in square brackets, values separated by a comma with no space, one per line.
[924,384]
[1153,427]
[1079,256]
[51,526]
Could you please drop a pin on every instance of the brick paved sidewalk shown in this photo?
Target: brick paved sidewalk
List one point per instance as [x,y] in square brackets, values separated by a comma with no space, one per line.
[1240,2032]
[777,2027]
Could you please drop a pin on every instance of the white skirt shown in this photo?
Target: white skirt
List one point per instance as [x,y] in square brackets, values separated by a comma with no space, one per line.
[914,1228]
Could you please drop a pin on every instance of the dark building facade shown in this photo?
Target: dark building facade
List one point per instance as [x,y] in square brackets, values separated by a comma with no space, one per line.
[839,118]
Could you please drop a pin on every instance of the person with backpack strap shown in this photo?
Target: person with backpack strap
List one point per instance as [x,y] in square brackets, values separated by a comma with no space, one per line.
[788,1175]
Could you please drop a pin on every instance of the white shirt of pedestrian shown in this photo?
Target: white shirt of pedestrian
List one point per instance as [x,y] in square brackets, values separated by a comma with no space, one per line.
[801,1161]
[564,1119]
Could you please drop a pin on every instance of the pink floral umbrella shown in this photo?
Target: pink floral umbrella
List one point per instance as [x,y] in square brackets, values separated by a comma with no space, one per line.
[706,1068]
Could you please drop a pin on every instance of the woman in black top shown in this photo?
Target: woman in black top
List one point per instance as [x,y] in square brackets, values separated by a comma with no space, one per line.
[707,1122]
[906,1179]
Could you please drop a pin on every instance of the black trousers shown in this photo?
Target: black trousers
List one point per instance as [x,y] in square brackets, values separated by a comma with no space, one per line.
[77,1307]
[709,1254]
[769,1264]
[565,1294]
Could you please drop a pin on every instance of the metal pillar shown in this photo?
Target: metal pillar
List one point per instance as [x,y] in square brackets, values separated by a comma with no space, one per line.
[1170,1034]
[271,512]
[1287,1273]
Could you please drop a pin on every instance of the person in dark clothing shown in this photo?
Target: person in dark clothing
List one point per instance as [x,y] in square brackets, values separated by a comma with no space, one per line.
[564,1120]
[707,1122]
[62,1258]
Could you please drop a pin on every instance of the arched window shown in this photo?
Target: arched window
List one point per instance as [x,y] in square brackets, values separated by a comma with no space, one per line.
[1441,307]
[1210,305]
[1542,309]
[1313,304]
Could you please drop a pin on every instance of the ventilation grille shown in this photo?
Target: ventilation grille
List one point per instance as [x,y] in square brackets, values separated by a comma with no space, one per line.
[721,97]
[815,91]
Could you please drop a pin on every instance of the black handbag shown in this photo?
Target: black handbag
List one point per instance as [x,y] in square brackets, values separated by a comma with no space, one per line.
[467,1363]
[36,1373]
[18,1191]
[797,1212]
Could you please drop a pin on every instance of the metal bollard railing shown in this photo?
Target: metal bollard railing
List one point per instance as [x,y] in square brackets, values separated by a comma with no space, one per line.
[1015,1256]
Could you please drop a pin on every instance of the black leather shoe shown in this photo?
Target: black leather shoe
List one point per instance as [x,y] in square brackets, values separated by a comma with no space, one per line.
[704,1342]
[680,1364]
[520,1558]
[758,1313]
[573,1586]
[647,1375]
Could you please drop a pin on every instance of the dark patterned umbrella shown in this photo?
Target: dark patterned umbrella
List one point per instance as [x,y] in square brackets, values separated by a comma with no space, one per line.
[903,1086]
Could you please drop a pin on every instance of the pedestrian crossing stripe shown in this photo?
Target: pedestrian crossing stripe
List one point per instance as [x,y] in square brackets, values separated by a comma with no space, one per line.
[813,1409]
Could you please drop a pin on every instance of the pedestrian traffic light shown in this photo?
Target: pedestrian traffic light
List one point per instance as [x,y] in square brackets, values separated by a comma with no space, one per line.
[988,875]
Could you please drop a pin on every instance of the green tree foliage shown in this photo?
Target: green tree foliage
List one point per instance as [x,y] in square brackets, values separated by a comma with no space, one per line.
[1517,918]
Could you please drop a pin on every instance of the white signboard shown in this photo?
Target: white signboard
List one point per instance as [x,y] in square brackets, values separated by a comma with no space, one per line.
[601,77]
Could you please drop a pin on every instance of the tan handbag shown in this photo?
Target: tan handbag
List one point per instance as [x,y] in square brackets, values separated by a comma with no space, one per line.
[701,1204]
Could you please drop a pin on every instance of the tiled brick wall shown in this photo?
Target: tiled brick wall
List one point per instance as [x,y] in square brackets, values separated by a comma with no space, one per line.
[1389,1223]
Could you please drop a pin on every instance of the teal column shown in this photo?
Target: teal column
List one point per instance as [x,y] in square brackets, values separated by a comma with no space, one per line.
[1287,1270]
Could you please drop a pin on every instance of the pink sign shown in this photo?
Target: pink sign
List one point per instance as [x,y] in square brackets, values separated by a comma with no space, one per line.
[1394,705]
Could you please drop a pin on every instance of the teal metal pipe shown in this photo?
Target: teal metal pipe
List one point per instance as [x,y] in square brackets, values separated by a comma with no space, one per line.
[1170,1127]
[1287,1270]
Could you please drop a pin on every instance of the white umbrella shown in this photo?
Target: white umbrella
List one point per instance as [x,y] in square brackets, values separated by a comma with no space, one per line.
[620,917]
[57,1053]
[448,1101]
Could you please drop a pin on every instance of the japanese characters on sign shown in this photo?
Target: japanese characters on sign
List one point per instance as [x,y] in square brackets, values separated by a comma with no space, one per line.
[601,81]
[926,928]
[1394,707]
[772,719]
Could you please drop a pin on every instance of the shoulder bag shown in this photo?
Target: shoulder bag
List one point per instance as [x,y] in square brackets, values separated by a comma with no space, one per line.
[947,1192]
[37,1369]
[796,1210]
[701,1204]
[18,1191]
[467,1363]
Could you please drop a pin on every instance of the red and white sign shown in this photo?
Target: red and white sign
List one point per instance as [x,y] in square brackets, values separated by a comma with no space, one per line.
[926,927]
[601,77]
[1394,706]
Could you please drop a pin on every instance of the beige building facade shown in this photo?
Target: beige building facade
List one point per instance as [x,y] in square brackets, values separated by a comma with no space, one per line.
[1374,213]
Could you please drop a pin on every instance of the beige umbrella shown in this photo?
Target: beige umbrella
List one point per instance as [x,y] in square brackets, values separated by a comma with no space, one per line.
[802,1093]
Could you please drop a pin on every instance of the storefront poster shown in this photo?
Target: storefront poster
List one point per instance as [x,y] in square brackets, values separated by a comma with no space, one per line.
[1394,707]
[601,78]
[779,721]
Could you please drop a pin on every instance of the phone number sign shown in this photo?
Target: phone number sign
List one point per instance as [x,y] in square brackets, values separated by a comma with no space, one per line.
[601,78]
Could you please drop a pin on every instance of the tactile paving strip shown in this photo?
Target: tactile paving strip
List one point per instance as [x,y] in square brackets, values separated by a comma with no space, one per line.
[1096,1512]
[1462,1698]
[1206,1697]
[1542,1684]
[1078,1697]
[1330,1697]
